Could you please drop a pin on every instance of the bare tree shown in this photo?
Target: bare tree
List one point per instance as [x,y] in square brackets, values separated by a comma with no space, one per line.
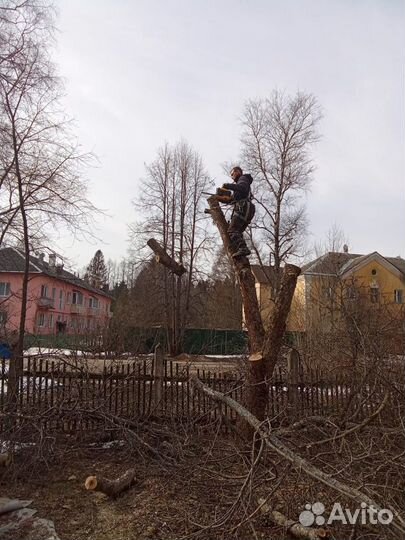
[41,164]
[278,133]
[171,203]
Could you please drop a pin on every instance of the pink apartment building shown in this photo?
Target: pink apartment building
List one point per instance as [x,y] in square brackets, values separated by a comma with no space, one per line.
[58,301]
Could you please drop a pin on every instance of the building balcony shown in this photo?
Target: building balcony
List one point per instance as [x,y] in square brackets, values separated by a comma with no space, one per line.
[46,303]
[77,309]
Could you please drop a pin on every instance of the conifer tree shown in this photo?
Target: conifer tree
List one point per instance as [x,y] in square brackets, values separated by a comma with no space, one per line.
[96,272]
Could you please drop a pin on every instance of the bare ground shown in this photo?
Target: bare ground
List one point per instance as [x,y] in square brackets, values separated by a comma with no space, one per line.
[162,505]
[189,493]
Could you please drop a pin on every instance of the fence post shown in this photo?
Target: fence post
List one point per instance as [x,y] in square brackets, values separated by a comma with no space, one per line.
[158,378]
[293,368]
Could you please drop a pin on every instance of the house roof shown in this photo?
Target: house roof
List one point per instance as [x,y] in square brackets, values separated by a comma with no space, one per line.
[263,274]
[332,263]
[329,263]
[398,262]
[338,263]
[13,260]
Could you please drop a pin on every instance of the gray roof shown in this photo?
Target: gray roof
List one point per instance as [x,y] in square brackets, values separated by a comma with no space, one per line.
[13,260]
[398,262]
[329,263]
[336,263]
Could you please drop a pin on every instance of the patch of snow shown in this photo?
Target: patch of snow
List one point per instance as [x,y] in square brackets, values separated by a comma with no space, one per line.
[42,351]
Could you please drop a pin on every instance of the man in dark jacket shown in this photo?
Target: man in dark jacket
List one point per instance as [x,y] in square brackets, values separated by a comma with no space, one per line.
[243,210]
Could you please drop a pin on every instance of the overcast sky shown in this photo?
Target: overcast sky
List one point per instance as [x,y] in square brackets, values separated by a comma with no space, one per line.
[142,72]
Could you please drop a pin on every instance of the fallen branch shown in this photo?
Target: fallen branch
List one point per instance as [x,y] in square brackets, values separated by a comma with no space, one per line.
[112,488]
[291,526]
[298,462]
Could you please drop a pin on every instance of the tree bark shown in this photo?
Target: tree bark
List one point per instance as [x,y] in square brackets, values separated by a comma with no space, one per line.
[279,315]
[264,348]
[245,277]
[112,488]
[17,361]
[165,259]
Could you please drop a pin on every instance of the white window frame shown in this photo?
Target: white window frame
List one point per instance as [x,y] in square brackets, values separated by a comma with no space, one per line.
[75,296]
[44,291]
[398,296]
[41,320]
[94,302]
[5,285]
[374,295]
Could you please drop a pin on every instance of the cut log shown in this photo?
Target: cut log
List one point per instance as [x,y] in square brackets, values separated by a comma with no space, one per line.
[163,258]
[112,488]
[6,459]
[292,527]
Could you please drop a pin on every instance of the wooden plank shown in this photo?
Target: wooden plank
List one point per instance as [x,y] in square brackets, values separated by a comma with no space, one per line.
[46,383]
[53,382]
[178,406]
[29,379]
[144,407]
[40,384]
[158,379]
[2,382]
[187,388]
[128,392]
[139,412]
[171,410]
[198,396]
[116,390]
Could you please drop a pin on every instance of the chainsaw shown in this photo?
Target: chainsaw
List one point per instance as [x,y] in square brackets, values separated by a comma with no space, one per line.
[222,195]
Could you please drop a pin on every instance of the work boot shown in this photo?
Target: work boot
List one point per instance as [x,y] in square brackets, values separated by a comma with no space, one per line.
[242,252]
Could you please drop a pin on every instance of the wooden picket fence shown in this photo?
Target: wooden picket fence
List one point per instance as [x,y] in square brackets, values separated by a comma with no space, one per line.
[64,391]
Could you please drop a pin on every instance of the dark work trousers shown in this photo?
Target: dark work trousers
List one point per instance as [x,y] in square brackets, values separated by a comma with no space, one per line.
[241,217]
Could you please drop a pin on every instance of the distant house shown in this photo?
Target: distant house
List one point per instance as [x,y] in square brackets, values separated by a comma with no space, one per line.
[264,283]
[336,280]
[58,300]
[351,281]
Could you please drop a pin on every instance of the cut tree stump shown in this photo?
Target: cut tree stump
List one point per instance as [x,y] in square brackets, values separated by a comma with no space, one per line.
[112,488]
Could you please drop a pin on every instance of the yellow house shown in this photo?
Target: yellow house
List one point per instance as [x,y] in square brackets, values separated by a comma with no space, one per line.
[264,279]
[337,285]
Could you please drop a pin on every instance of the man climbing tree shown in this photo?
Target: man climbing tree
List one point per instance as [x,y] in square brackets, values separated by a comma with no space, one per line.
[243,210]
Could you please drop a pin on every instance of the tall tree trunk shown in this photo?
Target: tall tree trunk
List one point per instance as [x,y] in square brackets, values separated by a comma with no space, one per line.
[264,348]
[17,363]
